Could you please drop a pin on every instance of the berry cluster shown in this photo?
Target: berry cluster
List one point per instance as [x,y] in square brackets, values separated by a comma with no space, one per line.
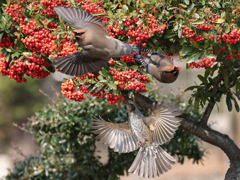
[40,41]
[76,92]
[49,5]
[232,38]
[205,27]
[205,63]
[130,80]
[112,62]
[71,92]
[67,47]
[18,69]
[127,59]
[6,43]
[112,99]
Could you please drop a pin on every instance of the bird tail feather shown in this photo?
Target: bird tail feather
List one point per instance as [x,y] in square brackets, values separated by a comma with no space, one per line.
[151,161]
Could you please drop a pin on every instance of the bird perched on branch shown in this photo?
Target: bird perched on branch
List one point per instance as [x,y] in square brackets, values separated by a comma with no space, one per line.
[97,45]
[144,132]
[159,66]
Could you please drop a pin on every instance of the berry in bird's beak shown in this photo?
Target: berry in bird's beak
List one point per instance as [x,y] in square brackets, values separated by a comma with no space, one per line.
[177,68]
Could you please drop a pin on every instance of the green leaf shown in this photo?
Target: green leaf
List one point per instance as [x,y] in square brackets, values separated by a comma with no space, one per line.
[192,12]
[226,80]
[190,88]
[228,17]
[169,35]
[204,80]
[194,57]
[236,104]
[125,8]
[219,57]
[175,27]
[112,86]
[186,2]
[180,29]
[100,77]
[217,4]
[206,44]
[210,56]
[99,13]
[220,20]
[185,50]
[203,2]
[151,78]
[196,105]
[195,44]
[183,5]
[238,87]
[198,22]
[227,29]
[229,103]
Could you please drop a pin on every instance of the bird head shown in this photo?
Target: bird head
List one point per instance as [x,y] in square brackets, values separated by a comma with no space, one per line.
[170,73]
[130,106]
[79,34]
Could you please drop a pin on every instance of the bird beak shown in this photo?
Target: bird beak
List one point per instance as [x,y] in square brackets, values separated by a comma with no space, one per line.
[177,68]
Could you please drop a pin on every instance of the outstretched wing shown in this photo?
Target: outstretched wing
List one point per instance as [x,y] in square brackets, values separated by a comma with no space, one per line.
[77,17]
[163,121]
[117,136]
[79,63]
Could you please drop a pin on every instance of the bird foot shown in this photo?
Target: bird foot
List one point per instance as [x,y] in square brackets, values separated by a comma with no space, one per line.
[139,59]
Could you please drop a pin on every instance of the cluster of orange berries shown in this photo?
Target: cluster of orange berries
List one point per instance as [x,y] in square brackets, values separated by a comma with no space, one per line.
[19,68]
[76,93]
[205,63]
[40,41]
[6,43]
[49,5]
[130,80]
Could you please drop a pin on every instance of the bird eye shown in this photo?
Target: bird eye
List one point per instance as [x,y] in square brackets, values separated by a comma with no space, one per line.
[78,34]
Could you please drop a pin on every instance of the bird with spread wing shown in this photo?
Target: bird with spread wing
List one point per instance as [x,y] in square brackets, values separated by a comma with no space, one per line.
[144,132]
[97,46]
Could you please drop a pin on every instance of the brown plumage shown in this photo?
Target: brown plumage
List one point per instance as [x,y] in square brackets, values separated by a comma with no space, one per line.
[97,45]
[159,66]
[144,132]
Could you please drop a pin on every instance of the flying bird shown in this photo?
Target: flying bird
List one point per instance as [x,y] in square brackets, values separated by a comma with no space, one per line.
[97,46]
[159,66]
[144,132]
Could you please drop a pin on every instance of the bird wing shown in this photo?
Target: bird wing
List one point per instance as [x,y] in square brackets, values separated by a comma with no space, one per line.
[79,63]
[163,121]
[117,136]
[78,17]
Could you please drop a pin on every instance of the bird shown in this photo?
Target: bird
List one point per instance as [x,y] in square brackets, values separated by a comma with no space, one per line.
[144,132]
[97,46]
[159,66]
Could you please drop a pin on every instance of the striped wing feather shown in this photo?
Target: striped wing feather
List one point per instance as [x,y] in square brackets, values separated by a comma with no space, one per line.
[163,121]
[79,63]
[77,17]
[117,136]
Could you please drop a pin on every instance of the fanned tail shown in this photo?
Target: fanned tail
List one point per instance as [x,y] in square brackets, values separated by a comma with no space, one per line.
[151,161]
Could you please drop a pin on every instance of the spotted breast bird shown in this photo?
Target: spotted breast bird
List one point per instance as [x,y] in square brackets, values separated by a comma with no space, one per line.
[97,46]
[159,66]
[144,132]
